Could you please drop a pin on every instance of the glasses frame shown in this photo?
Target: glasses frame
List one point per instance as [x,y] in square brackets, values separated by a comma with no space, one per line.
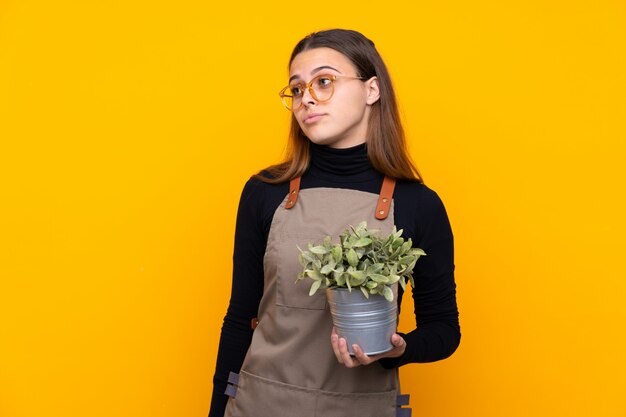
[309,86]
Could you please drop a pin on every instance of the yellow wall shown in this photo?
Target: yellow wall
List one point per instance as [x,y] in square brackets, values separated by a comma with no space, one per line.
[127,130]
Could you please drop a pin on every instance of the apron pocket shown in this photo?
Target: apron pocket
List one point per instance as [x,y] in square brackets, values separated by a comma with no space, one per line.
[374,404]
[290,293]
[261,397]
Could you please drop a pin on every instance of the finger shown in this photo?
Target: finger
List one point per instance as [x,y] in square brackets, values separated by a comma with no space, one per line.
[345,355]
[397,340]
[361,356]
[334,341]
[399,346]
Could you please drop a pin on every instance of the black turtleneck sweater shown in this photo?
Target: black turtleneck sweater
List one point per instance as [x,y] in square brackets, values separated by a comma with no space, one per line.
[417,210]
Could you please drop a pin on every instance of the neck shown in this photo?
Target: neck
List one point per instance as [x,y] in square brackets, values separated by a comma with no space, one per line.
[346,163]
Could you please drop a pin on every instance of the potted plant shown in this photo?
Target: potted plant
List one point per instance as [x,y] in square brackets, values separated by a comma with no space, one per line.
[361,275]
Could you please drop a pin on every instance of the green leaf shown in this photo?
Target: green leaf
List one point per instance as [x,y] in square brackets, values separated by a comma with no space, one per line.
[326,269]
[379,278]
[396,250]
[317,264]
[352,257]
[365,293]
[393,279]
[306,255]
[336,252]
[357,274]
[318,250]
[355,282]
[365,264]
[375,268]
[361,227]
[314,287]
[340,279]
[409,268]
[388,293]
[364,241]
[315,275]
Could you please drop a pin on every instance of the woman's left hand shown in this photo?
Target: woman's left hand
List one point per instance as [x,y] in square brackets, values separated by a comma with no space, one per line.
[340,347]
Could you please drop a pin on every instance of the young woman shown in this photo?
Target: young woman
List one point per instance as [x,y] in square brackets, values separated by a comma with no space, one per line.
[279,354]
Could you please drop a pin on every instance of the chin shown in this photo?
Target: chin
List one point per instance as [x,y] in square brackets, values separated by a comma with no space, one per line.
[322,141]
[317,139]
[335,143]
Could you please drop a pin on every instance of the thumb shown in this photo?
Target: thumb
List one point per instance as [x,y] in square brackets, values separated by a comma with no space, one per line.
[397,340]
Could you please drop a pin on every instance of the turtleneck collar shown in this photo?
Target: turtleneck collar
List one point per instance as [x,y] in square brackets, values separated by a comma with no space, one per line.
[341,164]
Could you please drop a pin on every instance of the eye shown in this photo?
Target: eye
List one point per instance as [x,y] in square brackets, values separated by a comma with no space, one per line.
[296,90]
[325,81]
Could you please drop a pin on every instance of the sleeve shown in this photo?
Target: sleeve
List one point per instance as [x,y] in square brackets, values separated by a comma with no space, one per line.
[246,292]
[437,334]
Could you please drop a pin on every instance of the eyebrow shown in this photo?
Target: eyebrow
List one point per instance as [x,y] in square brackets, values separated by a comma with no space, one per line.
[293,77]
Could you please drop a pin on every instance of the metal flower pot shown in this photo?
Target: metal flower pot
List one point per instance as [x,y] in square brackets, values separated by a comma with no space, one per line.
[367,322]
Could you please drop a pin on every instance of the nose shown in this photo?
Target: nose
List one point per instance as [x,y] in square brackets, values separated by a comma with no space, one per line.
[307,97]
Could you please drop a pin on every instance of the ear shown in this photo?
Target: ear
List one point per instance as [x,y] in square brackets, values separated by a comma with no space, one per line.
[373,90]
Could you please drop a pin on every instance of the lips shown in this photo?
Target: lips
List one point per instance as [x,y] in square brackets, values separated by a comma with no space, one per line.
[312,118]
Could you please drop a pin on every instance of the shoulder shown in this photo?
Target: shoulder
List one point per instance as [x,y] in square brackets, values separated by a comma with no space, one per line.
[256,186]
[420,211]
[262,196]
[418,195]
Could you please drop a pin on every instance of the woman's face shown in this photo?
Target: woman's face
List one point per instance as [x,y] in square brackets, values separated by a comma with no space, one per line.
[340,122]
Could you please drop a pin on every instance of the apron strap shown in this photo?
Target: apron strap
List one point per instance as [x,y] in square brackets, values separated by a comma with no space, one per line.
[403,412]
[294,189]
[233,384]
[384,199]
[403,399]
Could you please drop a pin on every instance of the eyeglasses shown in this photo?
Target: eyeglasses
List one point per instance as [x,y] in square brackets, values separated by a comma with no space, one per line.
[321,89]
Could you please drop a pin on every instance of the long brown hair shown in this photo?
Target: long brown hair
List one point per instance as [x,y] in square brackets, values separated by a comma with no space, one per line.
[386,143]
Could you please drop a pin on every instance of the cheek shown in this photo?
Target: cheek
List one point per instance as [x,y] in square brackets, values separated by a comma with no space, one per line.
[351,106]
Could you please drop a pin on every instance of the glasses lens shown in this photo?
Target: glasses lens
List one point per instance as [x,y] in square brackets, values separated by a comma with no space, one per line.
[287,98]
[323,87]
